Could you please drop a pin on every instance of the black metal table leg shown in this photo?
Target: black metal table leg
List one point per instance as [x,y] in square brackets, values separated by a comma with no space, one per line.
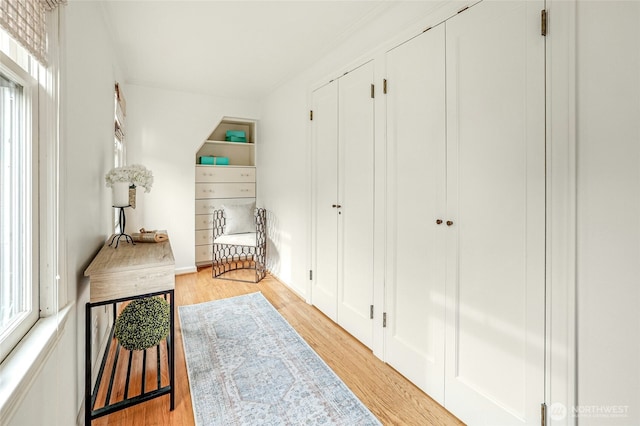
[172,360]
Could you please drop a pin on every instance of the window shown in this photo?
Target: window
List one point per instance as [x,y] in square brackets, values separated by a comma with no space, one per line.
[30,179]
[118,140]
[118,143]
[19,298]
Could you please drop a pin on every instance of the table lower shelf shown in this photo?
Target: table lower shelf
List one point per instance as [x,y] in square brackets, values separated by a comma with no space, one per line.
[127,378]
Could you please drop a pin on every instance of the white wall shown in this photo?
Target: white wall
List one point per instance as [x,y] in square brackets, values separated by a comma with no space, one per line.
[89,73]
[165,129]
[283,168]
[608,211]
[51,398]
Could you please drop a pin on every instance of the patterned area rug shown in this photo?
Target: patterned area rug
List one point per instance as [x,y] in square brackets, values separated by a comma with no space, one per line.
[248,366]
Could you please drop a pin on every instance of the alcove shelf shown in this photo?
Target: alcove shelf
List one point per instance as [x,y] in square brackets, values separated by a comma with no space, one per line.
[222,184]
[239,153]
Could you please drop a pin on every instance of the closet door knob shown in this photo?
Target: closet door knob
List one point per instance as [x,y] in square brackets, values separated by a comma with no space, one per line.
[439,222]
[334,205]
[449,223]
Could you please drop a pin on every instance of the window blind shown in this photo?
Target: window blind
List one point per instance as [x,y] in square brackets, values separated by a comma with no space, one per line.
[25,20]
[49,5]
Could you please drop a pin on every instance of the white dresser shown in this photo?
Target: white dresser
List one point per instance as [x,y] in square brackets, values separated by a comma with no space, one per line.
[215,186]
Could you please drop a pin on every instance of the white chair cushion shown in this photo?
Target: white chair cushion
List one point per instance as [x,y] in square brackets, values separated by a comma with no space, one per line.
[246,239]
[239,218]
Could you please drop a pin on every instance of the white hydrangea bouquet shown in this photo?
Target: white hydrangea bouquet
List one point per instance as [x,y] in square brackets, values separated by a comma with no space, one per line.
[136,175]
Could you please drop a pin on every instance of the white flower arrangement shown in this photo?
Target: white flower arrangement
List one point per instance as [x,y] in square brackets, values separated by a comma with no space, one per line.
[136,175]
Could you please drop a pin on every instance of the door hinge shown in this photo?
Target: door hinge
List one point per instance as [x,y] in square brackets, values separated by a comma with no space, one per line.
[373,91]
[311,115]
[384,86]
[543,414]
[371,312]
[384,319]
[543,22]
[310,275]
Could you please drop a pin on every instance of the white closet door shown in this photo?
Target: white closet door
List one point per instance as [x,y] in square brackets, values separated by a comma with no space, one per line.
[325,153]
[496,200]
[415,273]
[355,196]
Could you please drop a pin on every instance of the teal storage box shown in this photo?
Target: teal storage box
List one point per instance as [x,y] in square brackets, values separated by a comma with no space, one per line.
[236,136]
[237,133]
[236,139]
[214,161]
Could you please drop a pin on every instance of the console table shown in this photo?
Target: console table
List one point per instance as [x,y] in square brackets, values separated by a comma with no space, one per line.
[116,276]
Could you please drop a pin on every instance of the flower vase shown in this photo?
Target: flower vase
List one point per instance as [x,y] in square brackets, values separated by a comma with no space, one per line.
[120,194]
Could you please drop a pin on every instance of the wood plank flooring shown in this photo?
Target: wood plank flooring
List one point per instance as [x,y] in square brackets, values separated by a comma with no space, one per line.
[389,396]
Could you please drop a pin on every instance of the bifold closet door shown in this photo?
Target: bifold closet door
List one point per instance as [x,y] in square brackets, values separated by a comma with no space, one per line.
[415,273]
[496,203]
[343,147]
[324,131]
[355,198]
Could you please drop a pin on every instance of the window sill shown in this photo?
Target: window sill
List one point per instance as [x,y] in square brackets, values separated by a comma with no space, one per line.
[19,369]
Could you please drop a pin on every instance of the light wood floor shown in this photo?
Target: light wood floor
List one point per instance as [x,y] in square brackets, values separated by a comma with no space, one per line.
[389,396]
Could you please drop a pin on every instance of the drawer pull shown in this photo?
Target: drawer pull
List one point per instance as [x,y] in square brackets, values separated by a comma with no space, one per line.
[439,222]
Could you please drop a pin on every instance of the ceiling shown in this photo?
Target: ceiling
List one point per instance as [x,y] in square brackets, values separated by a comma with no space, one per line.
[240,49]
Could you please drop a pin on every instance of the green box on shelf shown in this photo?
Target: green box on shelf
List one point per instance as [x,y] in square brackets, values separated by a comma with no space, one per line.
[236,139]
[236,133]
[214,161]
[236,136]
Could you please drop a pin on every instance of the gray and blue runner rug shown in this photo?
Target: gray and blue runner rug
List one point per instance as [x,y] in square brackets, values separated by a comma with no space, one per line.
[248,366]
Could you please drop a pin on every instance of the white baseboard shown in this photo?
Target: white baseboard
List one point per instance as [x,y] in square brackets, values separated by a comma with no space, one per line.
[284,283]
[186,270]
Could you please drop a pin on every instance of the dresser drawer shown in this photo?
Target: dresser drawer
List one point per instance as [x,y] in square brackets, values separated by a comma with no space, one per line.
[225,190]
[225,174]
[204,221]
[207,206]
[204,254]
[204,236]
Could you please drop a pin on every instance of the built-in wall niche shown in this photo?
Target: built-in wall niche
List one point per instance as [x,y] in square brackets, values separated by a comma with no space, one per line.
[217,185]
[238,153]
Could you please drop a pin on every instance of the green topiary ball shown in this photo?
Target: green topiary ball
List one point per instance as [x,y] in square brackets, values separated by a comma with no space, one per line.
[143,323]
